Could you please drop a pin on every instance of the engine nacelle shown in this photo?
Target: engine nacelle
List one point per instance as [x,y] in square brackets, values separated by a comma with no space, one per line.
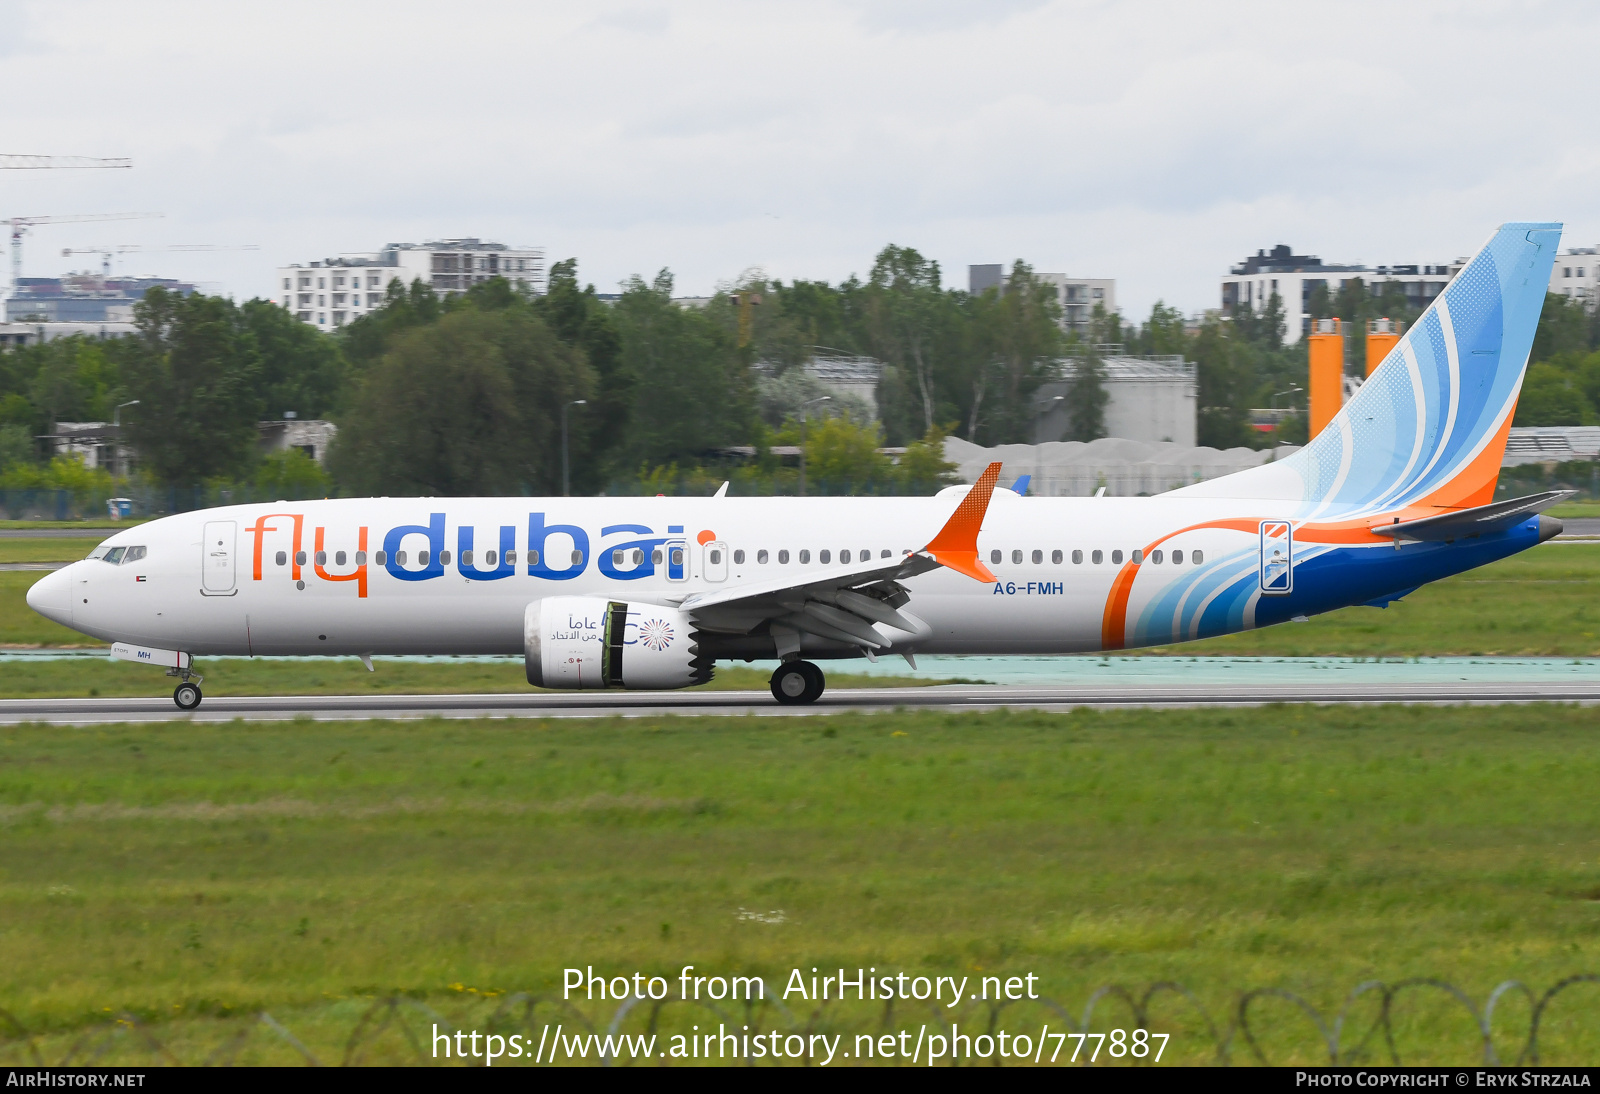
[583,642]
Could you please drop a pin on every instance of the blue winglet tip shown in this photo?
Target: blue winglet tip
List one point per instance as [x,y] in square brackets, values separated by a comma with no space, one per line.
[1021,485]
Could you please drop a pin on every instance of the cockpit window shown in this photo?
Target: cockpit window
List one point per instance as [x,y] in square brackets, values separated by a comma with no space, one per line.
[98,552]
[134,554]
[114,556]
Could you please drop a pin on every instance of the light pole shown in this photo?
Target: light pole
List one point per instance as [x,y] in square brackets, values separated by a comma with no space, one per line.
[116,424]
[808,402]
[566,484]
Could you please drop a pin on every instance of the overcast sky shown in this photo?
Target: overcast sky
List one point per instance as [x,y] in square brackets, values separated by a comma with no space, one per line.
[1153,143]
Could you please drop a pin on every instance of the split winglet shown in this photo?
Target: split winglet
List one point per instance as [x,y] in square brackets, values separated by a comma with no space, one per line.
[956,545]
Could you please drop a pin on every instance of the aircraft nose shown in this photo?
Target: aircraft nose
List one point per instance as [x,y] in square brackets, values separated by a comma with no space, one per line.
[51,596]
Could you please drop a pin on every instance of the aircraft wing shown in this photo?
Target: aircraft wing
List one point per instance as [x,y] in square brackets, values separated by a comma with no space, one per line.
[842,604]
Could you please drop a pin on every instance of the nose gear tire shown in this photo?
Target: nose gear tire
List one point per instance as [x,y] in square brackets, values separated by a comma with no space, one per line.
[187,696]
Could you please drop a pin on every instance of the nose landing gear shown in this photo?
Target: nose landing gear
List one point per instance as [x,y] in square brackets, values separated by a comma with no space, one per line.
[797,682]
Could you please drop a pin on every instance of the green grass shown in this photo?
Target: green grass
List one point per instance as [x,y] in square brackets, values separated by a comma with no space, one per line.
[46,549]
[195,874]
[20,625]
[1576,509]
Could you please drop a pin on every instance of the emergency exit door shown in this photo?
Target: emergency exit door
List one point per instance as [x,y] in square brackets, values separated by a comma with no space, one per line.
[217,557]
[1277,557]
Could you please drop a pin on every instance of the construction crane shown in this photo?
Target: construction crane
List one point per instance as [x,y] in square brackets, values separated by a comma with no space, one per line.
[21,225]
[106,253]
[56,163]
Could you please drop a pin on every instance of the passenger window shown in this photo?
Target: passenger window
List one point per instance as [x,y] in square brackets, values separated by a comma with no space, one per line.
[283,558]
[444,558]
[1016,558]
[783,558]
[738,558]
[844,557]
[994,558]
[322,558]
[1155,557]
[824,557]
[114,556]
[488,556]
[805,557]
[1116,558]
[577,557]
[399,558]
[1038,557]
[886,553]
[361,558]
[1196,558]
[134,554]
[677,556]
[1138,557]
[511,558]
[422,558]
[1055,558]
[466,558]
[616,558]
[300,558]
[655,557]
[716,558]
[1177,558]
[1097,558]
[866,556]
[533,558]
[761,557]
[638,556]
[338,559]
[380,557]
[1077,558]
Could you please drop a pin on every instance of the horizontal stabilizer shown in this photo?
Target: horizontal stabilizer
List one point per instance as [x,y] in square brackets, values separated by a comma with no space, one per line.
[1478,521]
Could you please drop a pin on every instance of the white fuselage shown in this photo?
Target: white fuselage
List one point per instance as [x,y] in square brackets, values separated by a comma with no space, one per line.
[226,581]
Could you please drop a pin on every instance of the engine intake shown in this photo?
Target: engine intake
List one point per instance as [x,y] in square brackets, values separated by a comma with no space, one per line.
[584,642]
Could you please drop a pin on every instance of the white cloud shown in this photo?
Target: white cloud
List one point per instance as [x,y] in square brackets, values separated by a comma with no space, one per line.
[1155,143]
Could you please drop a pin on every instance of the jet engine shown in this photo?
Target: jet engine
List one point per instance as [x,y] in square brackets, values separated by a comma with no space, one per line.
[583,642]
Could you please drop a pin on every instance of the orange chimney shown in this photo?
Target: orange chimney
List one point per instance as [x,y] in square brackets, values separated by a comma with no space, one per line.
[1382,336]
[1327,371]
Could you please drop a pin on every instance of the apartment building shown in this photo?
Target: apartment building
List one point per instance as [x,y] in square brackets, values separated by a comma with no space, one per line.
[335,291]
[1294,277]
[1076,295]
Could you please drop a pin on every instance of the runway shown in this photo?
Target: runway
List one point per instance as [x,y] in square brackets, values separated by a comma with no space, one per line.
[950,697]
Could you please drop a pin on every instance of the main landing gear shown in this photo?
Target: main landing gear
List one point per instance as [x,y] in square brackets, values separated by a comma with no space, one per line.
[187,694]
[797,682]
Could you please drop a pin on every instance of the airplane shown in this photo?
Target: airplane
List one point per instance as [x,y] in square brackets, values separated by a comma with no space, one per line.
[649,593]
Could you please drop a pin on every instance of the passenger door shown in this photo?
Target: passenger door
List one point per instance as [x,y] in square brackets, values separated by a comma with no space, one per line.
[1277,557]
[216,558]
[715,565]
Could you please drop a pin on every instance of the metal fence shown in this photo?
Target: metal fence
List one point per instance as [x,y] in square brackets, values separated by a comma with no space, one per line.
[400,1029]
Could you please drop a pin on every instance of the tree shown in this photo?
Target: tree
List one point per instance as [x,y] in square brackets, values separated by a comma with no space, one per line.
[690,393]
[1087,398]
[1564,327]
[367,338]
[193,367]
[1224,381]
[1550,397]
[584,322]
[1020,334]
[301,369]
[904,305]
[469,404]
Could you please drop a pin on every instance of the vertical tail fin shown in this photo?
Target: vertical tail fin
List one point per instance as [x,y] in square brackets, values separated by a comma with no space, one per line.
[1428,428]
